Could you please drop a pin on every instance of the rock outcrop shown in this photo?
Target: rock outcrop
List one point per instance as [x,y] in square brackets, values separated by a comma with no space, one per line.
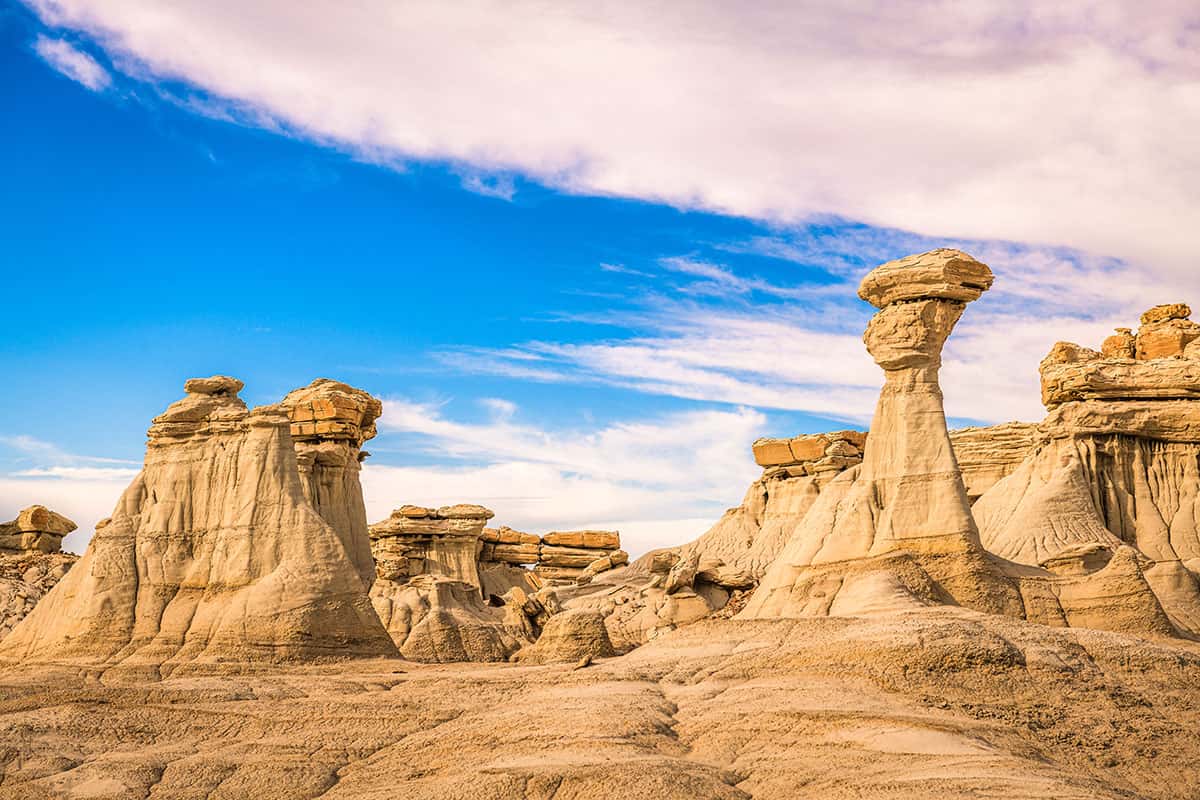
[902,519]
[988,455]
[429,590]
[443,542]
[1115,466]
[330,421]
[36,529]
[31,561]
[559,556]
[570,636]
[213,557]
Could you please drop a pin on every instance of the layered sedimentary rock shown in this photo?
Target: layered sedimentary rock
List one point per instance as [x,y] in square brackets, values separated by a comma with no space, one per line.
[330,421]
[429,591]
[810,454]
[31,561]
[443,542]
[988,455]
[903,516]
[898,532]
[666,589]
[436,619]
[1117,463]
[213,556]
[558,556]
[36,529]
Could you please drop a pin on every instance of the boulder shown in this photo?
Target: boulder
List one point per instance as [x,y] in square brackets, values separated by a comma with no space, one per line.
[943,274]
[568,637]
[36,529]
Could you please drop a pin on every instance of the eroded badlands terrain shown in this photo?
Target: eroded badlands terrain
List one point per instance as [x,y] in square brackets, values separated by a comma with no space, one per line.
[906,612]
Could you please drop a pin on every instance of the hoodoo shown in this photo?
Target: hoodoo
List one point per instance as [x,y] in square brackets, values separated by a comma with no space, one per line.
[896,530]
[31,561]
[213,556]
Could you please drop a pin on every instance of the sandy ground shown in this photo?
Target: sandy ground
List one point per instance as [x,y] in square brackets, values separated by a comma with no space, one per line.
[938,703]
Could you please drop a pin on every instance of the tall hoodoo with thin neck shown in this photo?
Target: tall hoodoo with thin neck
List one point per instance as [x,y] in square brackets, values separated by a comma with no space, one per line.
[898,528]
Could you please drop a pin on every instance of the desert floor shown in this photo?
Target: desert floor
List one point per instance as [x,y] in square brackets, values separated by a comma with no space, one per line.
[938,703]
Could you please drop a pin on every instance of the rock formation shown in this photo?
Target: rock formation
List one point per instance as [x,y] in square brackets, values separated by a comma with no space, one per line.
[330,423]
[36,529]
[1115,465]
[903,516]
[429,591]
[31,561]
[570,636]
[988,455]
[416,540]
[557,557]
[212,557]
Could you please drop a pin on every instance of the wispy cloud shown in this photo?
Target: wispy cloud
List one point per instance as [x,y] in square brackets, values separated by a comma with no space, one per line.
[48,452]
[724,336]
[72,62]
[77,473]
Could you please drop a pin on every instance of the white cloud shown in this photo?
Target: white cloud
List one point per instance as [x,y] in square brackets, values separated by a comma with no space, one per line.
[72,62]
[1065,122]
[659,481]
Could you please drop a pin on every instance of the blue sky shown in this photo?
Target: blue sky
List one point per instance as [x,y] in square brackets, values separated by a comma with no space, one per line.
[561,344]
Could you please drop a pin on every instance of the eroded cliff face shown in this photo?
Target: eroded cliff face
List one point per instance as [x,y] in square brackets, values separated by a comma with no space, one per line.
[1116,464]
[212,558]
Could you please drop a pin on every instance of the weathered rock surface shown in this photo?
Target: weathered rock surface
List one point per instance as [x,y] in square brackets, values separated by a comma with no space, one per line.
[430,588]
[425,541]
[438,620]
[811,454]
[213,558]
[570,636]
[987,455]
[558,556]
[330,421]
[1115,467]
[25,578]
[904,512]
[942,274]
[36,528]
[1156,363]
[940,702]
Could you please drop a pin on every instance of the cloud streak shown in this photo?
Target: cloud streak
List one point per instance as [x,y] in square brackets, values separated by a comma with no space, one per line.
[72,62]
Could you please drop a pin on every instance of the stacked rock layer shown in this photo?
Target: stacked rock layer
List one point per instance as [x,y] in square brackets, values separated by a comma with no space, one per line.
[558,556]
[330,421]
[1115,470]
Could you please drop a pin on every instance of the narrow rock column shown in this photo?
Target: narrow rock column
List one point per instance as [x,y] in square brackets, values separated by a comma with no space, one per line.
[910,459]
[898,529]
[330,423]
